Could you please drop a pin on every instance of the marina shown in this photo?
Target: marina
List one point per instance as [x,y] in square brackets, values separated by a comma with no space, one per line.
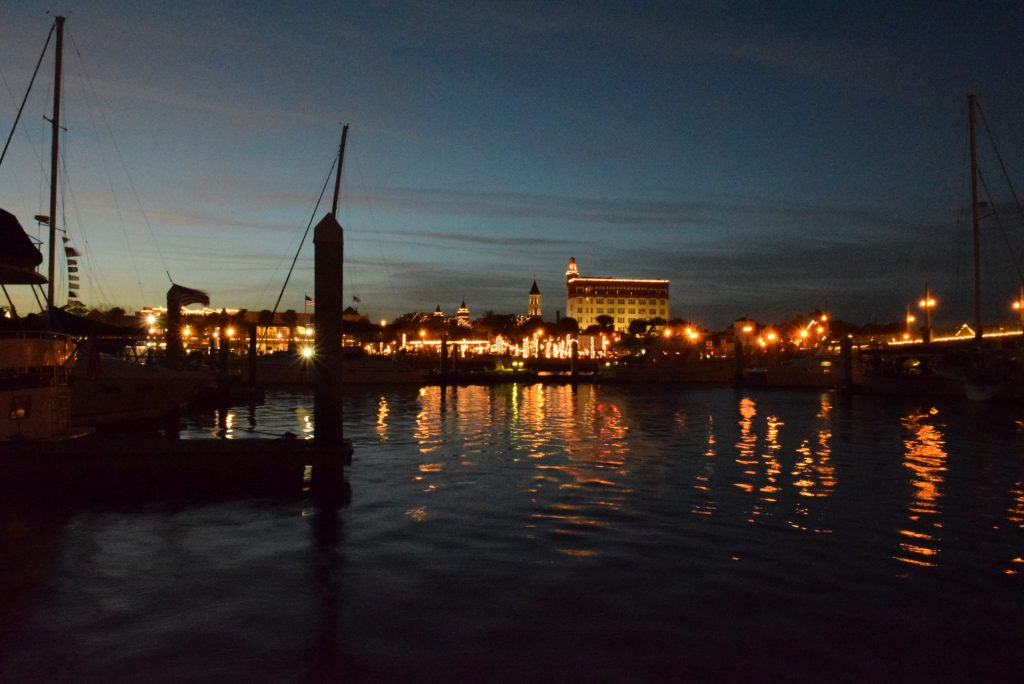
[618,343]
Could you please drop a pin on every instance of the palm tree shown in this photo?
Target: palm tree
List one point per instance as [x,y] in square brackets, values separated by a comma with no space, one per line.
[265,320]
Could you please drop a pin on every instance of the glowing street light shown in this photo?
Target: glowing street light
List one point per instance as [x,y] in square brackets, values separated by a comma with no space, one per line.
[307,352]
[928,303]
[911,318]
[1018,306]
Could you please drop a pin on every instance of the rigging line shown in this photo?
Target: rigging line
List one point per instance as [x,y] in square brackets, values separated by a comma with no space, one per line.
[110,178]
[92,273]
[117,148]
[10,302]
[376,230]
[25,99]
[1002,228]
[305,234]
[1002,164]
[1017,260]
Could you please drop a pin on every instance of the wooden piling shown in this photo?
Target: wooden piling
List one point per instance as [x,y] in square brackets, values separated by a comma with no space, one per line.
[738,375]
[846,356]
[329,247]
[574,358]
[443,369]
[252,355]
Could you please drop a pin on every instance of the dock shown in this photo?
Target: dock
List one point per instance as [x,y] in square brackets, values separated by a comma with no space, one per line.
[139,468]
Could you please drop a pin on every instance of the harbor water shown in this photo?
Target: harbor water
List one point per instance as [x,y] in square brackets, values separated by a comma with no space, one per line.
[538,532]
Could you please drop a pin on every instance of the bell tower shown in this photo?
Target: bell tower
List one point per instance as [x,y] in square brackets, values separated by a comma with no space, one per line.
[534,301]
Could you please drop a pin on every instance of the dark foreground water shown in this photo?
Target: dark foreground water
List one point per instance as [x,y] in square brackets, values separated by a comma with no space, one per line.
[540,533]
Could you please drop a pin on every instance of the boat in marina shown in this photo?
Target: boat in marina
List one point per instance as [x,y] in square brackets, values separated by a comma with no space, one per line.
[976,366]
[989,369]
[102,390]
[35,388]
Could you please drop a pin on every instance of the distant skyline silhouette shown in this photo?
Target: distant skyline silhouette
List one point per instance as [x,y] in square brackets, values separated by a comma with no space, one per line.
[767,160]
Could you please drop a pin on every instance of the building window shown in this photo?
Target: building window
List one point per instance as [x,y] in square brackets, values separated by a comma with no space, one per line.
[622,320]
[600,300]
[632,301]
[622,301]
[631,312]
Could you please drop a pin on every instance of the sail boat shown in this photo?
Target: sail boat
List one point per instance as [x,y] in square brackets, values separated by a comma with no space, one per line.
[989,368]
[35,387]
[988,371]
[104,390]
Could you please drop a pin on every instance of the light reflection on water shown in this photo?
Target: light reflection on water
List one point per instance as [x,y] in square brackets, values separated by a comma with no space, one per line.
[925,459]
[593,532]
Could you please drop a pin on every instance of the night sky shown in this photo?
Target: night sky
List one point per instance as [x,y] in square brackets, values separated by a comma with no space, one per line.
[768,158]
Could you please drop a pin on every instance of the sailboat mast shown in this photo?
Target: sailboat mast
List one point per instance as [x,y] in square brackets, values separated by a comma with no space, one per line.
[337,177]
[54,159]
[971,106]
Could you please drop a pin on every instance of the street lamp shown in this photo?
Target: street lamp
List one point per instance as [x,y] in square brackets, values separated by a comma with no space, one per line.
[1018,306]
[928,303]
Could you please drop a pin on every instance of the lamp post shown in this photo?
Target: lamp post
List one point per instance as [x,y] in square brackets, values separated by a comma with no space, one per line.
[910,322]
[928,303]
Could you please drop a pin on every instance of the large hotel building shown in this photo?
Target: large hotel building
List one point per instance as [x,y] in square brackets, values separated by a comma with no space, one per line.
[624,299]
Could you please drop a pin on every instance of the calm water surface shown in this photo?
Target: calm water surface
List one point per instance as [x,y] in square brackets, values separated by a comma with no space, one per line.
[532,532]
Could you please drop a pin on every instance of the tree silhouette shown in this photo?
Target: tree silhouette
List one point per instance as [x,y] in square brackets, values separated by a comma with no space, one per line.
[290,319]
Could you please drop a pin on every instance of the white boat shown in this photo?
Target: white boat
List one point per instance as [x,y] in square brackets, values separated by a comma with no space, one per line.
[35,396]
[109,391]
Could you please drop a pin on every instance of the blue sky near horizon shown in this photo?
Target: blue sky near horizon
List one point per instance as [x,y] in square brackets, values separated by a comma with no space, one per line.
[768,158]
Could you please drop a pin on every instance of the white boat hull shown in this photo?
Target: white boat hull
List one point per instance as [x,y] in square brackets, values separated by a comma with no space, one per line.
[113,391]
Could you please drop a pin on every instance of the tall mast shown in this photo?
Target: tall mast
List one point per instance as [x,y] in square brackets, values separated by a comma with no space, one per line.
[54,158]
[971,105]
[337,177]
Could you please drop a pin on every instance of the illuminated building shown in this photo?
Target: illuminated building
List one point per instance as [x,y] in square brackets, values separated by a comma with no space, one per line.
[534,309]
[462,316]
[624,299]
[438,312]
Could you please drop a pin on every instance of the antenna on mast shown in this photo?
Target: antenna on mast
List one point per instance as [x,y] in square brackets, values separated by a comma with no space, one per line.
[337,178]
